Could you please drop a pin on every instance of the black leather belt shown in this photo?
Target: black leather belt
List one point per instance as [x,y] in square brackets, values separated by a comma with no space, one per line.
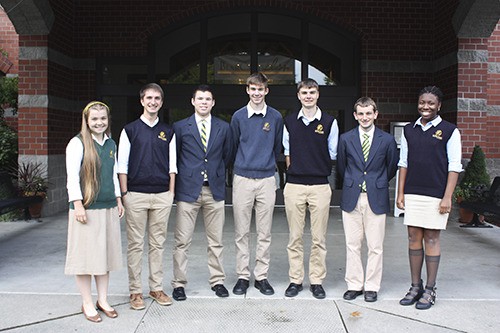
[205,183]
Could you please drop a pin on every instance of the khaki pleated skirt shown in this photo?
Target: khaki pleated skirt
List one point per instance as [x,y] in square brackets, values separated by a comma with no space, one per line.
[423,211]
[94,248]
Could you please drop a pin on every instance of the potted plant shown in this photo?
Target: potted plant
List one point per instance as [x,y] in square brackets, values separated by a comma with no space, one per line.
[32,181]
[474,184]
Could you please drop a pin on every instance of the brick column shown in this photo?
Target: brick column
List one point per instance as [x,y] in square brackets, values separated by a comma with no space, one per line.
[472,92]
[33,112]
[493,103]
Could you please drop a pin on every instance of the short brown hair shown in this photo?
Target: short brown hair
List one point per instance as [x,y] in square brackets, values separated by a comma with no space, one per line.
[364,102]
[308,83]
[152,86]
[257,79]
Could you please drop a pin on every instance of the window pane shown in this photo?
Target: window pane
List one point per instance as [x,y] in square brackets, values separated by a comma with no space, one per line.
[228,61]
[177,55]
[323,79]
[231,68]
[183,67]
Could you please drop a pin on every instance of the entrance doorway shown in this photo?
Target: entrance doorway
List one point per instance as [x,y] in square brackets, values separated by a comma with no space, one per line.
[222,50]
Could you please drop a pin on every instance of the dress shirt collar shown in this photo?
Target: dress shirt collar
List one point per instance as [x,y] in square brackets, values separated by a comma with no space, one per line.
[104,138]
[252,111]
[370,132]
[146,121]
[434,122]
[317,115]
[198,119]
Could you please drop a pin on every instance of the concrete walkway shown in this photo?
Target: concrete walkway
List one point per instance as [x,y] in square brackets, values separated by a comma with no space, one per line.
[36,296]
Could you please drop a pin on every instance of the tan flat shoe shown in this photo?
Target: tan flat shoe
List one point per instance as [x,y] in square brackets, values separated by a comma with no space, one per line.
[94,319]
[110,314]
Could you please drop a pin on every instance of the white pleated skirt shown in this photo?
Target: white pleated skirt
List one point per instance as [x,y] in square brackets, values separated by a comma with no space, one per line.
[94,248]
[423,211]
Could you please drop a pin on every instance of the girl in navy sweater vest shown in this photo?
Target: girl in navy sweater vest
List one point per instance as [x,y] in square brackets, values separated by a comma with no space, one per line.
[430,161]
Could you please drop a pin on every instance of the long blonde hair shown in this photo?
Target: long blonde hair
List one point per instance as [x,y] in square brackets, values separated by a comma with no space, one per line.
[91,164]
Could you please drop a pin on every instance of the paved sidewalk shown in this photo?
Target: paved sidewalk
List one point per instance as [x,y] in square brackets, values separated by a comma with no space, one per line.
[36,296]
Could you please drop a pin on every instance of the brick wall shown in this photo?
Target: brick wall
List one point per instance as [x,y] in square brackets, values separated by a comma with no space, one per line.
[33,81]
[493,92]
[9,64]
[472,78]
[444,40]
[9,44]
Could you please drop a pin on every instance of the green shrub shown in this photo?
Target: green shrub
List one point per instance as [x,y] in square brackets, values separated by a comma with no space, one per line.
[8,144]
[8,93]
[6,192]
[476,181]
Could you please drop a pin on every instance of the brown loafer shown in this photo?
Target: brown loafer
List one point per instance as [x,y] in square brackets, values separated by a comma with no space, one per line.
[94,319]
[160,297]
[136,302]
[110,313]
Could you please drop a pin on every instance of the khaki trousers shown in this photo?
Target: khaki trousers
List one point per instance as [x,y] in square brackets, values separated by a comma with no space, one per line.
[297,199]
[153,210]
[213,217]
[358,223]
[250,193]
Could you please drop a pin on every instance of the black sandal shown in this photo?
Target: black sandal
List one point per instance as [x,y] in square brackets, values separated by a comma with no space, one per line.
[414,294]
[427,300]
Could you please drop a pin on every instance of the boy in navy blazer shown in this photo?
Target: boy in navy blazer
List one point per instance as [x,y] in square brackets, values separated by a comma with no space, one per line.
[366,160]
[203,153]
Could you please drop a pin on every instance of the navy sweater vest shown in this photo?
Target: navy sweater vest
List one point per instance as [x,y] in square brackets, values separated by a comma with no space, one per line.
[427,172]
[310,162]
[148,165]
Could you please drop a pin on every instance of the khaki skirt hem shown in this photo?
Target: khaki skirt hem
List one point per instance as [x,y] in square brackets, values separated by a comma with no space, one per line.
[423,211]
[94,248]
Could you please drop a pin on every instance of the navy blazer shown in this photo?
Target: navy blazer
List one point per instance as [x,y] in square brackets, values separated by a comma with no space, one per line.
[192,160]
[377,171]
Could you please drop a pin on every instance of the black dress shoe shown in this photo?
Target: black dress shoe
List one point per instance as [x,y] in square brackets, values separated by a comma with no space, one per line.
[178,294]
[293,290]
[220,290]
[413,295]
[264,287]
[370,296]
[352,294]
[427,300]
[317,291]
[241,287]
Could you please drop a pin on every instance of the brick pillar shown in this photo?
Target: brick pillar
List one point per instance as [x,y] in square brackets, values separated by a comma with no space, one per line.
[9,42]
[33,101]
[493,107]
[472,92]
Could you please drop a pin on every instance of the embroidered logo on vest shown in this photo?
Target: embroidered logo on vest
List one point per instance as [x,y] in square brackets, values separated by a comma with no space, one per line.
[438,135]
[267,127]
[319,129]
[162,136]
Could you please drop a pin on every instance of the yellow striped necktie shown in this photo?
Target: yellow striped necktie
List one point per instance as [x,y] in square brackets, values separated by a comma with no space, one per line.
[366,146]
[366,150]
[204,135]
